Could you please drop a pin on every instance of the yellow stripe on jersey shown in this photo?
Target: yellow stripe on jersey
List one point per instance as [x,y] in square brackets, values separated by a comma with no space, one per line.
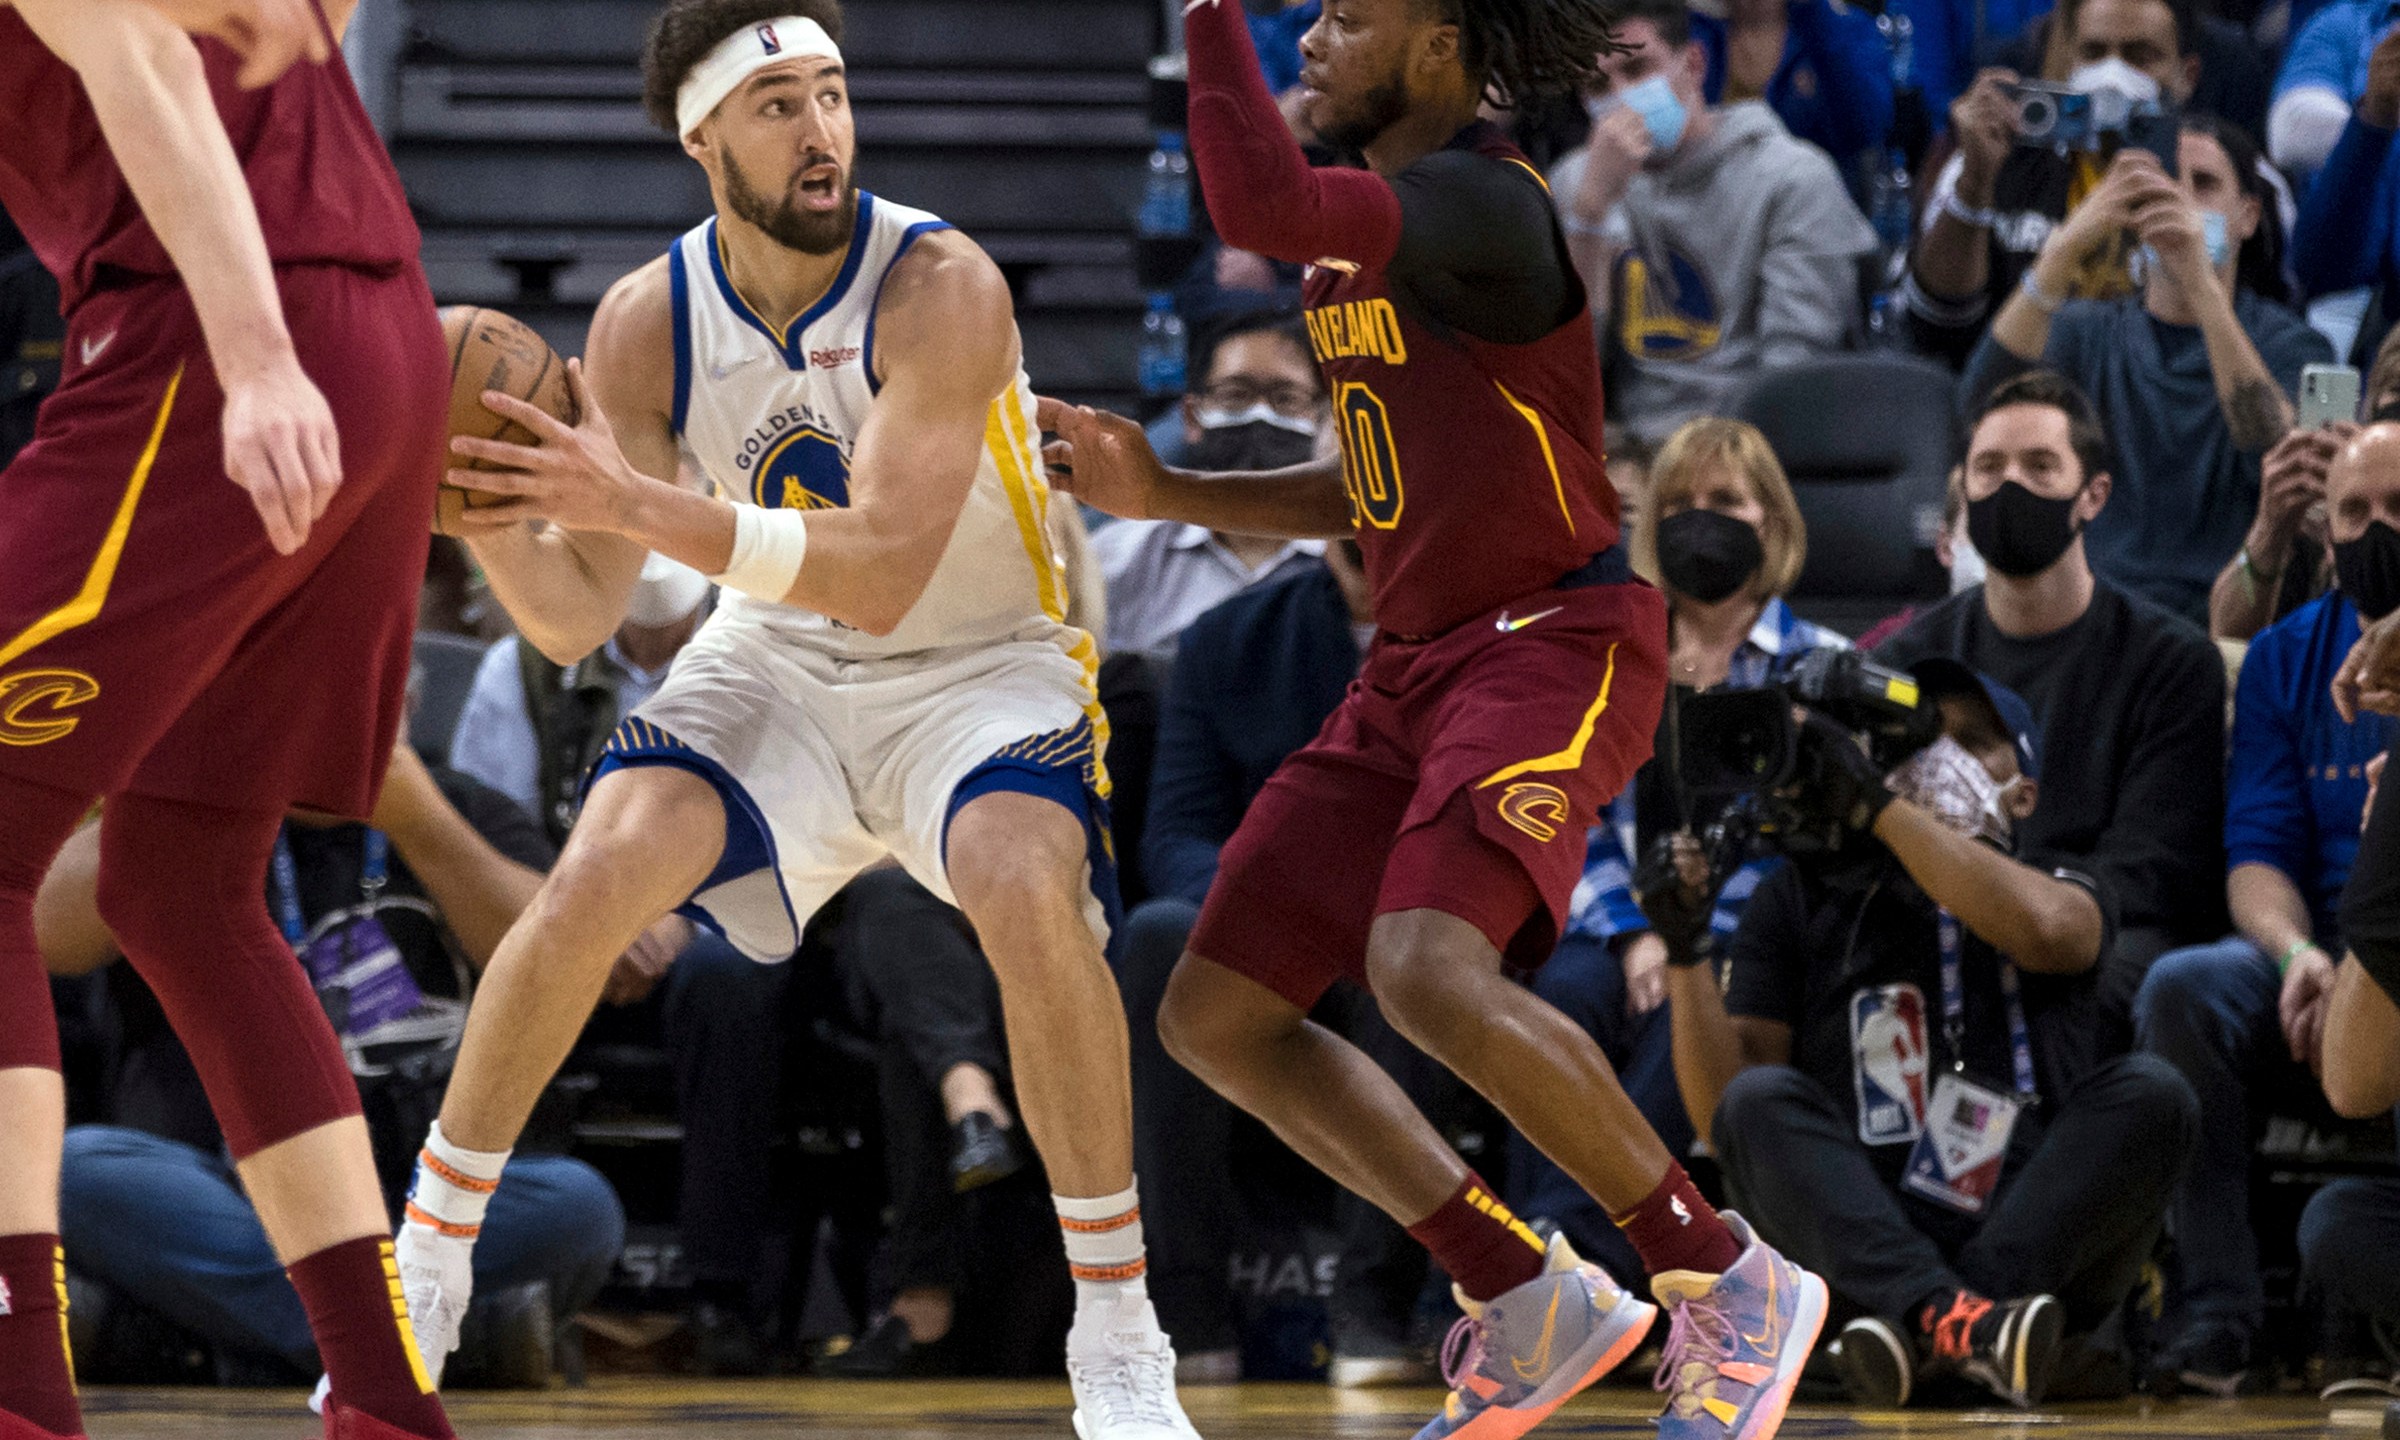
[1570,758]
[103,574]
[1541,433]
[1538,178]
[1010,443]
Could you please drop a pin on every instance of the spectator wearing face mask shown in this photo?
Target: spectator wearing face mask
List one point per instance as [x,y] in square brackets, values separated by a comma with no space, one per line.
[1822,67]
[1260,405]
[1726,544]
[1914,999]
[1713,244]
[2130,699]
[1994,204]
[2195,374]
[2244,1018]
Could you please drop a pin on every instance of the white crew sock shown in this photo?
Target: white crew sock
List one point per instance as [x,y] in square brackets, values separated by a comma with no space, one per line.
[453,1186]
[1104,1248]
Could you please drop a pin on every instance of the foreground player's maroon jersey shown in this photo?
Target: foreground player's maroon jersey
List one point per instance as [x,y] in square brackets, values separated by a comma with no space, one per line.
[1475,469]
[325,190]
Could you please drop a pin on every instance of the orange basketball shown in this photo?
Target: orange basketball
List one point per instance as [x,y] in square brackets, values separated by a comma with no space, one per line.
[492,351]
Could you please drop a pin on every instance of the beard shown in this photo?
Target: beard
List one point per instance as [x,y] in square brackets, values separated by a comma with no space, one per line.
[1376,111]
[807,231]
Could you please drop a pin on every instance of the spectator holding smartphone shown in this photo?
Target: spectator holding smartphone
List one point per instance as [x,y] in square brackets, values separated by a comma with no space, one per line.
[2195,374]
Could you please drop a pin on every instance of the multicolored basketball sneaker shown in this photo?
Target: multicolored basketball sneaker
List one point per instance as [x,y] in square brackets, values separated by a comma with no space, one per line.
[1516,1357]
[1737,1343]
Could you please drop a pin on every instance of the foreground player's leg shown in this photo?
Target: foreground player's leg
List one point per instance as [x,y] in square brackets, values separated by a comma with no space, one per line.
[1744,1317]
[1018,866]
[183,889]
[1541,1325]
[647,838]
[37,1383]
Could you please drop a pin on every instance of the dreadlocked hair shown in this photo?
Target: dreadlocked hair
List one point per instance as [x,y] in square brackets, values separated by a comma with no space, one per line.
[1524,49]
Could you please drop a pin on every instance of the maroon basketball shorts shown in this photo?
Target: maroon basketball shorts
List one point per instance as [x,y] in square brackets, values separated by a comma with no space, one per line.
[151,640]
[1460,774]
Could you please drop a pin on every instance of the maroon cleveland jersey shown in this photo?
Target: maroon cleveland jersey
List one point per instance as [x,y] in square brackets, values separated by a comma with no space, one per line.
[325,190]
[1475,469]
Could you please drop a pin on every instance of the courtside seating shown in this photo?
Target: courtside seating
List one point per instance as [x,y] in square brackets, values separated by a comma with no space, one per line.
[1868,440]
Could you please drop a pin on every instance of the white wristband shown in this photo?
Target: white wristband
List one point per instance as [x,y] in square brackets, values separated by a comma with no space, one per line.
[768,546]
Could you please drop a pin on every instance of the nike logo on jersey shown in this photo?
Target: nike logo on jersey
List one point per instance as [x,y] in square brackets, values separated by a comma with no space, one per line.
[720,372]
[1507,626]
[94,349]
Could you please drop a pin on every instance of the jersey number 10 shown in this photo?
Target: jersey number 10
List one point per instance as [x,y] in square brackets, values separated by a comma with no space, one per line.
[1370,460]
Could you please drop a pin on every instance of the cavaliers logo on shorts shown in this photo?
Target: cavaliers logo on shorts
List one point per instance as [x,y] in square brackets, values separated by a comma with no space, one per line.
[1537,809]
[34,705]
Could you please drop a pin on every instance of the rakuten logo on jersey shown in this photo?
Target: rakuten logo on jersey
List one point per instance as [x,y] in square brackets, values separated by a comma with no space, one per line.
[829,359]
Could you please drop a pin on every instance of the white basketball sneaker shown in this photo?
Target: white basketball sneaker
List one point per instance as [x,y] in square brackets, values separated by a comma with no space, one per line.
[437,1275]
[1123,1373]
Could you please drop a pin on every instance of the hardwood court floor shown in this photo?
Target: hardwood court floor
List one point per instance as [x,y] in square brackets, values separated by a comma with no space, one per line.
[974,1410]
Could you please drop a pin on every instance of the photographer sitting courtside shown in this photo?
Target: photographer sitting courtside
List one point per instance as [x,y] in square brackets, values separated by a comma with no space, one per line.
[2130,699]
[1888,1071]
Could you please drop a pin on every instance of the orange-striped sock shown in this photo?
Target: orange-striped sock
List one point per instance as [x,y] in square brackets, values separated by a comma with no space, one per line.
[37,1380]
[352,1294]
[453,1186]
[1104,1245]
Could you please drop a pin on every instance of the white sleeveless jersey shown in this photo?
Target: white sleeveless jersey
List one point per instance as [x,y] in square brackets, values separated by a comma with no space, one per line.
[772,417]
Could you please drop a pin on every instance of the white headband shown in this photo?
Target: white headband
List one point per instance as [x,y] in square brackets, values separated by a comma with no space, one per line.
[741,55]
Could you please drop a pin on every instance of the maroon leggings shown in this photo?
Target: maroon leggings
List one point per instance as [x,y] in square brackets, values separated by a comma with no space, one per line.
[183,889]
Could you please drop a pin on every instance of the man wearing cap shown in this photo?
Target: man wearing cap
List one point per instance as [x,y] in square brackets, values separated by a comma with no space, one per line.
[1882,1076]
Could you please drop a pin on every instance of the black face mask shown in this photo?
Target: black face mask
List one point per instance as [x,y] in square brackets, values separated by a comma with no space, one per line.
[2369,568]
[1707,556]
[2018,533]
[1252,445]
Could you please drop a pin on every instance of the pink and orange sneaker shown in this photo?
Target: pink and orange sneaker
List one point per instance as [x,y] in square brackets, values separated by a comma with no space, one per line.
[1737,1342]
[1518,1356]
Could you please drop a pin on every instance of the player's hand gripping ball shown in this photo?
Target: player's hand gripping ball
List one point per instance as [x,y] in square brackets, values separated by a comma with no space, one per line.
[492,351]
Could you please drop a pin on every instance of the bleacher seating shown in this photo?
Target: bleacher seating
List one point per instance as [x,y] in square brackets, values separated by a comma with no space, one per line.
[538,181]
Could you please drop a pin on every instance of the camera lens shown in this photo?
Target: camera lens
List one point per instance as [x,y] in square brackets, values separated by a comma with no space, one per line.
[2037,115]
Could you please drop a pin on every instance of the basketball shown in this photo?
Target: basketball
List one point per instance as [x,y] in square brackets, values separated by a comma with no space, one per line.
[493,351]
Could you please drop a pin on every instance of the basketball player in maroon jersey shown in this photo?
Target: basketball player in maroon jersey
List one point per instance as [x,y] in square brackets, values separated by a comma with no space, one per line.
[209,558]
[1434,831]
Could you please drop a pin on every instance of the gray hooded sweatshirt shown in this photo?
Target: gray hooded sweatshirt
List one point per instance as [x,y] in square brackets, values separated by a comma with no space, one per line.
[1741,254]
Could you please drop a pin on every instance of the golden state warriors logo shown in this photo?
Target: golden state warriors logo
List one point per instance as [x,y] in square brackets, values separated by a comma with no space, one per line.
[34,704]
[802,469]
[1537,809]
[1667,312]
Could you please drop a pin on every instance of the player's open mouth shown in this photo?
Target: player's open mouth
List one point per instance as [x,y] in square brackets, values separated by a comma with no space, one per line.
[821,187]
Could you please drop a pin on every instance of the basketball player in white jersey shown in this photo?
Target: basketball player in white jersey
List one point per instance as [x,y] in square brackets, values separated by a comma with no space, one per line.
[890,673]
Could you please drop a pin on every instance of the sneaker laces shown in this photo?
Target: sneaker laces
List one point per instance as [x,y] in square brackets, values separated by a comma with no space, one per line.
[1954,1334]
[1700,1333]
[1462,1351]
[1129,1385]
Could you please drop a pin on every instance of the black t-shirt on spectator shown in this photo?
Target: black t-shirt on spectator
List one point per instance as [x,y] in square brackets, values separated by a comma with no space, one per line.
[157,1089]
[2131,704]
[1806,948]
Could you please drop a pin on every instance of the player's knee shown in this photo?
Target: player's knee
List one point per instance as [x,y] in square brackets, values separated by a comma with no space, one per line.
[1412,981]
[1017,865]
[1210,1026]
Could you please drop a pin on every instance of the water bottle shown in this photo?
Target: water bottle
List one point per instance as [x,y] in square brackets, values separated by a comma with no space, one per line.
[1891,204]
[1167,195]
[1162,354]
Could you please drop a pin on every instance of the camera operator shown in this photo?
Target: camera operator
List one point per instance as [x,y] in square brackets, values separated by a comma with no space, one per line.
[1891,1098]
[2130,698]
[1998,198]
[2196,373]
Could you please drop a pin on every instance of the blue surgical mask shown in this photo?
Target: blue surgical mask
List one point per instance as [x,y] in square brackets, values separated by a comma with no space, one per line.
[1654,100]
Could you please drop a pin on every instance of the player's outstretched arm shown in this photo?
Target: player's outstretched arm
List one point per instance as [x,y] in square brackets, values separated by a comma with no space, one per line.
[152,99]
[1106,462]
[567,588]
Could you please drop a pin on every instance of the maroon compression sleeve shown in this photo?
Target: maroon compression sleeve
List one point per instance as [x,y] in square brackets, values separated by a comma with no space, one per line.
[1261,193]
